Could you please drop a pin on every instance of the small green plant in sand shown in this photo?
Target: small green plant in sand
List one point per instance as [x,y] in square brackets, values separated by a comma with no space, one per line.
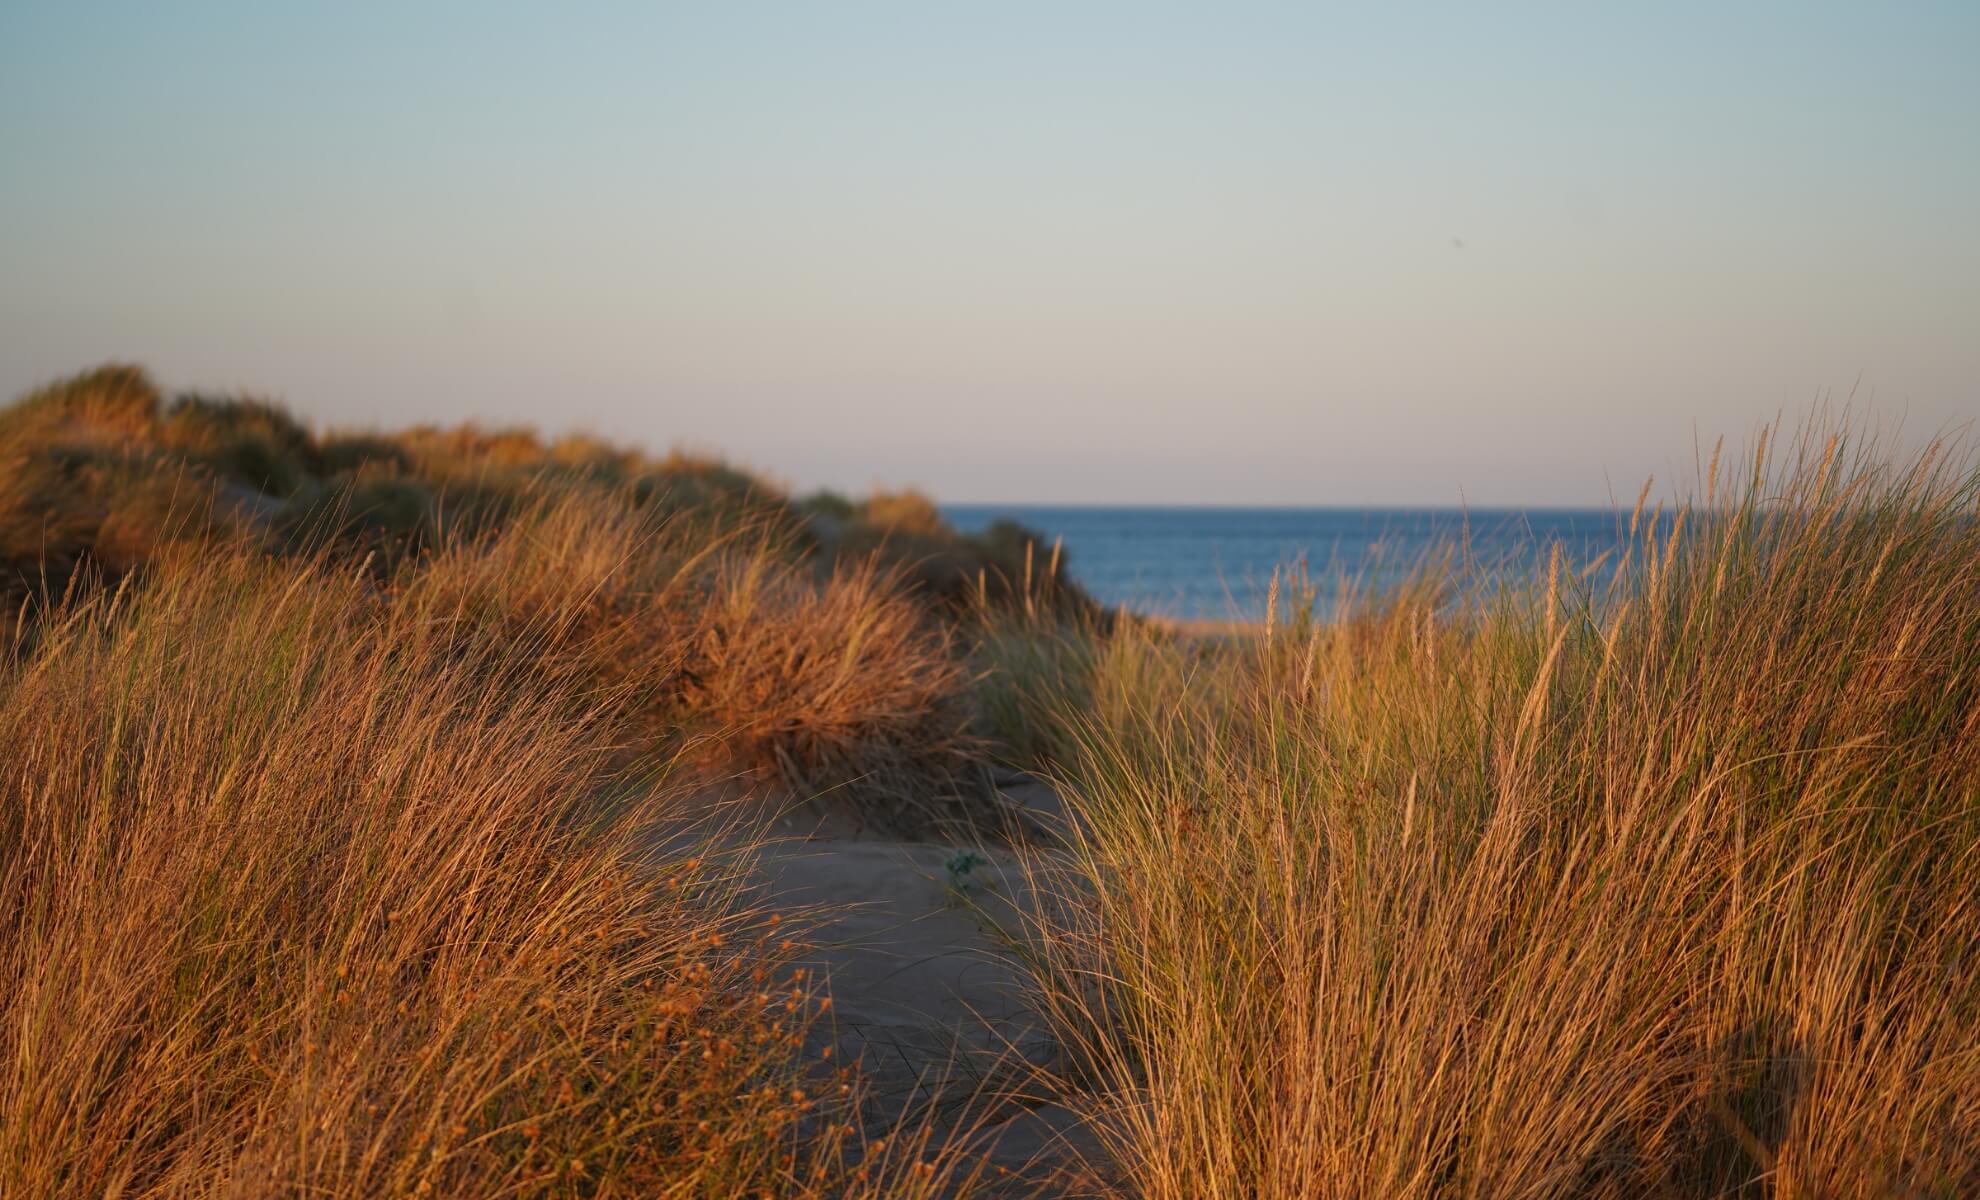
[960,870]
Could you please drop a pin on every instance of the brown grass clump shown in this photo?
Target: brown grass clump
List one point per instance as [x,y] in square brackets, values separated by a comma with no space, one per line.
[113,403]
[721,641]
[73,517]
[824,684]
[1656,884]
[86,492]
[304,892]
[906,511]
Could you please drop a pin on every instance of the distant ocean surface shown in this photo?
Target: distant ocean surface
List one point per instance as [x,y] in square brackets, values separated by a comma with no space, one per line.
[1217,563]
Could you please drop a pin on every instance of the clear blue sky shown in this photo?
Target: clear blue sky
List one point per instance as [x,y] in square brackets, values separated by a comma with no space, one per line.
[1070,251]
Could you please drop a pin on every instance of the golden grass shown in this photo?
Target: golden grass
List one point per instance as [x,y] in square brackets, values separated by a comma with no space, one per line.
[822,684]
[721,643]
[1664,883]
[331,845]
[677,579]
[304,890]
[329,858]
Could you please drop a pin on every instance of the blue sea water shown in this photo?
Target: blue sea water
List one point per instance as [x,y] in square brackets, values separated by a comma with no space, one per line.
[1217,563]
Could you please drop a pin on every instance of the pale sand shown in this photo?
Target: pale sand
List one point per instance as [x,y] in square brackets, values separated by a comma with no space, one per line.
[923,988]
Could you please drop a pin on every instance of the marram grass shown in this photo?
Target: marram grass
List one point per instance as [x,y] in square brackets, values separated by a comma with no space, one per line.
[1660,882]
[330,769]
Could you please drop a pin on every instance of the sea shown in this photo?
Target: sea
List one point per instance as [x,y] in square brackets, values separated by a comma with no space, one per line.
[1217,564]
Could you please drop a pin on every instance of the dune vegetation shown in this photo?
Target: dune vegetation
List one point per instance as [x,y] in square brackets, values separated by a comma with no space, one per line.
[369,827]
[332,769]
[1659,881]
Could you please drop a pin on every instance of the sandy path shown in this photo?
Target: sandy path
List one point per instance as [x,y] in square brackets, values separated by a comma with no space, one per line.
[913,943]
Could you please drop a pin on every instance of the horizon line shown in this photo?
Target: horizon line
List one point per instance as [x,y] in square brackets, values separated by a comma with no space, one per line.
[1248,506]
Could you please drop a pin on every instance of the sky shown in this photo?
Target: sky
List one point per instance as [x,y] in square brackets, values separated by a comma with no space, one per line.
[1063,252]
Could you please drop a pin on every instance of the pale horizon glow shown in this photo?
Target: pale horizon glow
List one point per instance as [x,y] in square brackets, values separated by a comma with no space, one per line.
[1118,253]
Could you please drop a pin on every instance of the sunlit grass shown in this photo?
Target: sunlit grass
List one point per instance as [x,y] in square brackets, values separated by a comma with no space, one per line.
[1660,882]
[343,781]
[302,893]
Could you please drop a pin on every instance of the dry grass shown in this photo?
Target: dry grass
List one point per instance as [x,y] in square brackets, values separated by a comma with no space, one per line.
[305,890]
[328,858]
[333,776]
[721,643]
[829,684]
[678,580]
[1665,883]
